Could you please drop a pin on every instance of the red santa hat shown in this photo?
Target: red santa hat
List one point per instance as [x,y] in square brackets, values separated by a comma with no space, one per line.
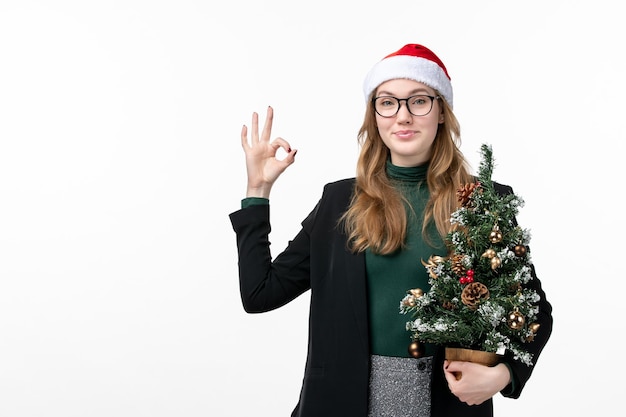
[413,62]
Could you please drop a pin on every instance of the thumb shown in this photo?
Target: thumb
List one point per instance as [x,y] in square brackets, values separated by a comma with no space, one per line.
[291,156]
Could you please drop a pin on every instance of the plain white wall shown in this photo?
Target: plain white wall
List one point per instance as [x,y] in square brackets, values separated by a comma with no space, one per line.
[120,161]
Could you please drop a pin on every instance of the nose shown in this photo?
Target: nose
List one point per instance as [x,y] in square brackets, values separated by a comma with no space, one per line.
[403,115]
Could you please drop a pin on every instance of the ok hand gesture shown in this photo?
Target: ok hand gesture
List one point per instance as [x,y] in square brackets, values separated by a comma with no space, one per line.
[262,165]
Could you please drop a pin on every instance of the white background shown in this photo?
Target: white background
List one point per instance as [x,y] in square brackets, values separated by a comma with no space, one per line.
[120,161]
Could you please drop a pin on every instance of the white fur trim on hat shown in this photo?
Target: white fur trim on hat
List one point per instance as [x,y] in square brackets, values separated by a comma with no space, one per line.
[412,68]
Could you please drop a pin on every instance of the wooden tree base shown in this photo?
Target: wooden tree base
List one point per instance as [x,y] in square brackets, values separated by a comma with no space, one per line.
[469,355]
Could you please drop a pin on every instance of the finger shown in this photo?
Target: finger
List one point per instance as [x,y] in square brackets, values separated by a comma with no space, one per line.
[450,377]
[291,157]
[267,128]
[454,369]
[453,366]
[280,143]
[254,136]
[244,137]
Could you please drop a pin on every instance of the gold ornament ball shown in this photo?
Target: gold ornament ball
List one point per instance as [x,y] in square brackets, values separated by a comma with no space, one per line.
[416,349]
[495,263]
[520,250]
[489,253]
[417,292]
[516,320]
[495,236]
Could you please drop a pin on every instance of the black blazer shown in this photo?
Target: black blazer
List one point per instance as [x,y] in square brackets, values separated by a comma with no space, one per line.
[336,375]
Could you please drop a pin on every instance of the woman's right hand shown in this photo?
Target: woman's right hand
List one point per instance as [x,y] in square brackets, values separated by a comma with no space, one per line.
[262,165]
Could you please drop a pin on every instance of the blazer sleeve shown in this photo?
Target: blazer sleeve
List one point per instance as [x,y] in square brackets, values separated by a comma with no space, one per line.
[267,284]
[521,372]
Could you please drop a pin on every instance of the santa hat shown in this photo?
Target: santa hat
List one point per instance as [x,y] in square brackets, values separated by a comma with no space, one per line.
[413,62]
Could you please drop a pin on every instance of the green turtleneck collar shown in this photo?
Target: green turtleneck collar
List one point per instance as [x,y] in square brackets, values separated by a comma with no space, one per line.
[407,174]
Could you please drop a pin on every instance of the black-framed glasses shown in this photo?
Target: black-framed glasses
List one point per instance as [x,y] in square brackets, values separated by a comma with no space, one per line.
[389,106]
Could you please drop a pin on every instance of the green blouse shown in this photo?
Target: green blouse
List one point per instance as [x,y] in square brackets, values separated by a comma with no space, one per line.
[390,276]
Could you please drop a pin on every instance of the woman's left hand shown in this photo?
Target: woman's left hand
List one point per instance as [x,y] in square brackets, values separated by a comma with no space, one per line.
[477,383]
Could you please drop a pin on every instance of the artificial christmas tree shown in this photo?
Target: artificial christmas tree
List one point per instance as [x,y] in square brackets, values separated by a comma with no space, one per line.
[477,299]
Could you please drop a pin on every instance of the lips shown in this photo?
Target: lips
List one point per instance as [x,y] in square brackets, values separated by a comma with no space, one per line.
[405,134]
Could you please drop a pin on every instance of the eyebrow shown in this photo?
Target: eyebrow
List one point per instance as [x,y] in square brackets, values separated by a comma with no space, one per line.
[411,93]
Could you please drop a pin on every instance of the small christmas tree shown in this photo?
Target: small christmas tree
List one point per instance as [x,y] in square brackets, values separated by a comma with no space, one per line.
[477,298]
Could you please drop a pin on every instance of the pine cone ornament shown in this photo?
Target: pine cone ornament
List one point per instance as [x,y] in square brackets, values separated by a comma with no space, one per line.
[473,294]
[464,192]
[457,264]
[448,305]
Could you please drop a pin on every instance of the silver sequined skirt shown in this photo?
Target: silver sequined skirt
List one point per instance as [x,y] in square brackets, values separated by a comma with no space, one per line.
[399,386]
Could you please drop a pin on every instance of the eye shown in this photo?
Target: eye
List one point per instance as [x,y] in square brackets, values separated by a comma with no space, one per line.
[387,102]
[419,100]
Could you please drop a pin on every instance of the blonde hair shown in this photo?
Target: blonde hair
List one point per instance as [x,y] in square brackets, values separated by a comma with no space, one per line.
[376,218]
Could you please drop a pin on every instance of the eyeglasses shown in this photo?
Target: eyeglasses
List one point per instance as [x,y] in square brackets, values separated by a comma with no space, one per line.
[388,106]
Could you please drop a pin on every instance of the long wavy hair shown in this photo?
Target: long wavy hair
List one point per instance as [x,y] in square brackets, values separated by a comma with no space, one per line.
[377,218]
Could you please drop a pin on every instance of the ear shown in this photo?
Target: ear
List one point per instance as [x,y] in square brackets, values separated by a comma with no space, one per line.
[441,118]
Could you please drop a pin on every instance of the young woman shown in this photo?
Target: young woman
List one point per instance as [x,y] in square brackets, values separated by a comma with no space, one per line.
[359,250]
